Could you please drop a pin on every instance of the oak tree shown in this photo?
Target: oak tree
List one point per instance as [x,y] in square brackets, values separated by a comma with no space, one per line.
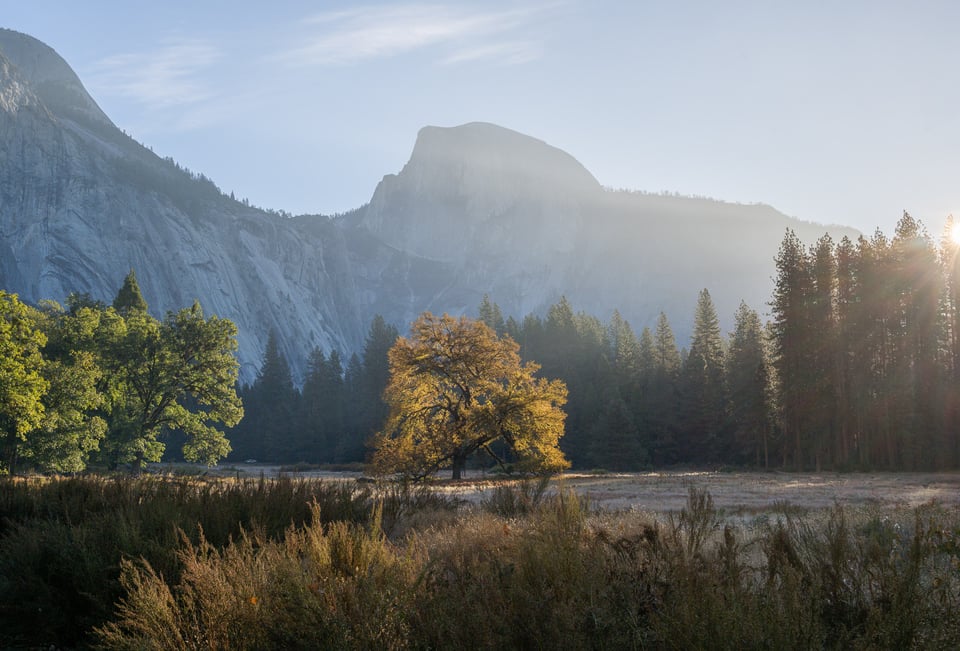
[22,385]
[455,388]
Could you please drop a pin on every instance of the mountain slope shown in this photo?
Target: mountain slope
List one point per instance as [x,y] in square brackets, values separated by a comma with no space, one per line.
[81,204]
[527,223]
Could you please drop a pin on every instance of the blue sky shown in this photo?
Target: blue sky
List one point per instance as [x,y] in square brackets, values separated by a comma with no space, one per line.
[835,112]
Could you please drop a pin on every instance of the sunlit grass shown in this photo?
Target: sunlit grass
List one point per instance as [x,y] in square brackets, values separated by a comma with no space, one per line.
[192,563]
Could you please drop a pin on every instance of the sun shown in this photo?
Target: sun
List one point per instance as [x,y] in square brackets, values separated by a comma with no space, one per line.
[955,233]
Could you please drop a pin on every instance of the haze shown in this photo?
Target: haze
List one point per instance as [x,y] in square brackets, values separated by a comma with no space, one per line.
[832,114]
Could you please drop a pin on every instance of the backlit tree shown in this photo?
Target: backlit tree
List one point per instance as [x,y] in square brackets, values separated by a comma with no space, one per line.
[455,388]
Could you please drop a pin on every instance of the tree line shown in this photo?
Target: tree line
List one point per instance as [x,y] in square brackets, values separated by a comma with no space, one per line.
[857,368]
[633,401]
[329,418]
[866,339]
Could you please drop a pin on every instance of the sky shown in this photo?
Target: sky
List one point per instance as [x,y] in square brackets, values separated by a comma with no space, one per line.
[832,112]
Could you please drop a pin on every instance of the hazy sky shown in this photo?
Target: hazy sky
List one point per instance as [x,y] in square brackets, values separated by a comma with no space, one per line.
[836,112]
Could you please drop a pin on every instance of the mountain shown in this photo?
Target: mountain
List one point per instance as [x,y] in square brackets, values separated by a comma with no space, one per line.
[81,204]
[525,222]
[477,209]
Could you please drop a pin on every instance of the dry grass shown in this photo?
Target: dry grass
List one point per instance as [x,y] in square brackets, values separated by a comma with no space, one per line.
[524,565]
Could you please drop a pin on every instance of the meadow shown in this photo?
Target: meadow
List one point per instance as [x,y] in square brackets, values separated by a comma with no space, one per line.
[177,562]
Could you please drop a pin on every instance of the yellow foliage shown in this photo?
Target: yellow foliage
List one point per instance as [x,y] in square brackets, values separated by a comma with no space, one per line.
[454,389]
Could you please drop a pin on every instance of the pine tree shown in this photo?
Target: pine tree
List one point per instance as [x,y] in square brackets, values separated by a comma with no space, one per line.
[702,385]
[491,315]
[661,400]
[792,338]
[273,403]
[748,386]
[129,297]
[353,443]
[847,344]
[823,418]
[322,405]
[665,348]
[950,265]
[616,443]
[917,289]
[376,373]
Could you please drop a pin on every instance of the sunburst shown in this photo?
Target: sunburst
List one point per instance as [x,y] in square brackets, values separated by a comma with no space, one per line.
[955,233]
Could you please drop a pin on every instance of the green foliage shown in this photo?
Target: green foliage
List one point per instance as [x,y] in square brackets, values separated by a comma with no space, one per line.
[112,380]
[22,385]
[178,374]
[129,298]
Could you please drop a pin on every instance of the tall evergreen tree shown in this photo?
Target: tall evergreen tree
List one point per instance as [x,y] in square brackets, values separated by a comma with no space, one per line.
[823,355]
[748,386]
[616,443]
[661,400]
[950,264]
[916,301]
[273,403]
[365,379]
[848,293]
[702,385]
[129,297]
[792,341]
[322,428]
[353,443]
[491,315]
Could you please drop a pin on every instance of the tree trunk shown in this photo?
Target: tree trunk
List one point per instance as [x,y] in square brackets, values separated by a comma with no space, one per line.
[459,462]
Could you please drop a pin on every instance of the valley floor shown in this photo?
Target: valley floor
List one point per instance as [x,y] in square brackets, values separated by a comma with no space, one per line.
[733,492]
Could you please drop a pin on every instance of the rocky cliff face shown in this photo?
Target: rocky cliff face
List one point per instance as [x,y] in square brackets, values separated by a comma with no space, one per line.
[477,209]
[525,222]
[81,204]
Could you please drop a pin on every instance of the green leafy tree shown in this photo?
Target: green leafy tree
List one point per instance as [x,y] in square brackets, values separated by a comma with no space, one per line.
[22,385]
[179,374]
[73,425]
[454,389]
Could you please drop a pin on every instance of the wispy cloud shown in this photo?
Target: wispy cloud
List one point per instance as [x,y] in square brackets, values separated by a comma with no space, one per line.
[507,53]
[171,75]
[461,34]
